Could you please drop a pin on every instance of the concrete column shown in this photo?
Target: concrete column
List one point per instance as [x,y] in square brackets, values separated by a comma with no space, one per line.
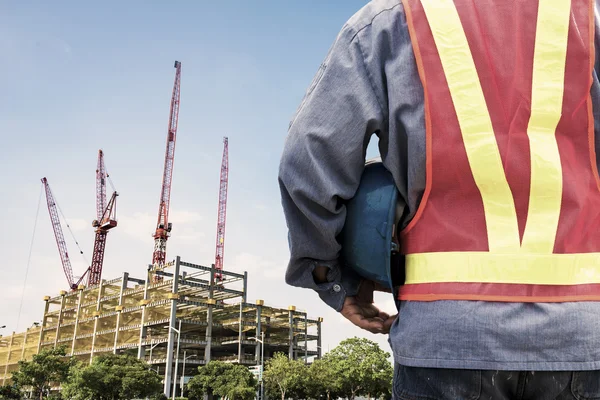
[24,343]
[245,294]
[291,310]
[96,317]
[259,304]
[76,329]
[319,322]
[240,334]
[12,338]
[44,318]
[172,320]
[209,315]
[143,329]
[60,313]
[305,338]
[119,309]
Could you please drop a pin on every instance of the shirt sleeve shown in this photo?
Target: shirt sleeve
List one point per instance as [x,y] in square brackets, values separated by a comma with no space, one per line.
[322,162]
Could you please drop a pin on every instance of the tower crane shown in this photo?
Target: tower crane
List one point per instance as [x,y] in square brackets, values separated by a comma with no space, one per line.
[222,210]
[163,226]
[106,220]
[60,239]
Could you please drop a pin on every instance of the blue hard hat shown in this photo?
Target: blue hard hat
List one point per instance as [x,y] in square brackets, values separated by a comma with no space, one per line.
[367,237]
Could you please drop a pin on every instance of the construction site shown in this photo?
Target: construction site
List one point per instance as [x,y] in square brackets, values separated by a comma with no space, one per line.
[175,314]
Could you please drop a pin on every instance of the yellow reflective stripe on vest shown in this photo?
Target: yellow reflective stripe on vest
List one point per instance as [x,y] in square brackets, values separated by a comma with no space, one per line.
[475,125]
[484,267]
[549,61]
[478,134]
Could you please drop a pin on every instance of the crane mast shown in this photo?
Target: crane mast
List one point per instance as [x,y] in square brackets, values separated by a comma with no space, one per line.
[58,235]
[106,220]
[100,186]
[222,210]
[163,226]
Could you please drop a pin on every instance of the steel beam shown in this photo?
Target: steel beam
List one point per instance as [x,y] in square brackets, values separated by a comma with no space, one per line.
[172,321]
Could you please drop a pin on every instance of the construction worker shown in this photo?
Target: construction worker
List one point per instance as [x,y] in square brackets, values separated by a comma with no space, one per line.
[484,113]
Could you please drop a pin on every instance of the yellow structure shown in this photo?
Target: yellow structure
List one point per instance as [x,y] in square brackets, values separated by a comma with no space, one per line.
[203,317]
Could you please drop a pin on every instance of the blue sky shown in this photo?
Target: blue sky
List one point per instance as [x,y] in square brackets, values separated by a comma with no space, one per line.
[79,76]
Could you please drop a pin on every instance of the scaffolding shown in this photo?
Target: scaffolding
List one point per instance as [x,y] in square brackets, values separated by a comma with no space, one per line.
[199,310]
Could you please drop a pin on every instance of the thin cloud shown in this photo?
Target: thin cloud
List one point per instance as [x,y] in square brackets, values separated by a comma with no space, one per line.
[141,225]
[260,207]
[255,265]
[79,224]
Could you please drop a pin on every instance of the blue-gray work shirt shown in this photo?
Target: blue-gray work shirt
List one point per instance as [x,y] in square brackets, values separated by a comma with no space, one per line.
[368,84]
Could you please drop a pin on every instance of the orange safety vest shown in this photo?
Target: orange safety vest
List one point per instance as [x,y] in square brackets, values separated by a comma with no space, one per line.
[511,208]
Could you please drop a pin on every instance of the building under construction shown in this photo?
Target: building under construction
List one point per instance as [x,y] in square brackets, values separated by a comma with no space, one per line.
[179,316]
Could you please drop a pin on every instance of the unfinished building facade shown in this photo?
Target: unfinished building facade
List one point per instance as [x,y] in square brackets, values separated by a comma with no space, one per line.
[180,316]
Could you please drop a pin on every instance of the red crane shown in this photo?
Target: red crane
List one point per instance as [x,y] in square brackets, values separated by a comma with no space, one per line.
[100,186]
[106,220]
[163,226]
[222,212]
[60,239]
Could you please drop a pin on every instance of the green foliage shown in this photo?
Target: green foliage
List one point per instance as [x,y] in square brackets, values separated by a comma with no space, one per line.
[357,367]
[235,382]
[112,377]
[238,383]
[8,392]
[361,367]
[205,381]
[323,382]
[288,378]
[47,368]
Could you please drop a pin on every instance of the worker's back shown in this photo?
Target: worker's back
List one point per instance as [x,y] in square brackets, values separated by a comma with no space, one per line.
[485,113]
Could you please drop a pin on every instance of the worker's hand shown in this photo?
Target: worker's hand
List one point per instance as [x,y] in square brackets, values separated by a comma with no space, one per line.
[361,311]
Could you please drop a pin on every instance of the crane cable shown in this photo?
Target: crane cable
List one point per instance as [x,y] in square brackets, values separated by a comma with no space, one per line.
[110,181]
[37,213]
[71,231]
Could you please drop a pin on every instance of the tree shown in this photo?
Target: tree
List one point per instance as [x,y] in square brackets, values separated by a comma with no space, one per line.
[206,380]
[113,377]
[235,382]
[361,368]
[322,380]
[379,383]
[8,392]
[45,369]
[285,376]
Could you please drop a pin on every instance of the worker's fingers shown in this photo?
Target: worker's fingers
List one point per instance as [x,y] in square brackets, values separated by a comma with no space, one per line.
[353,306]
[370,310]
[387,324]
[367,316]
[383,315]
[373,325]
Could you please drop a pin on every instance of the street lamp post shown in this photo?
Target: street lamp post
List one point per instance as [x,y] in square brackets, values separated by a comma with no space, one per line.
[262,363]
[151,347]
[183,373]
[176,358]
[150,361]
